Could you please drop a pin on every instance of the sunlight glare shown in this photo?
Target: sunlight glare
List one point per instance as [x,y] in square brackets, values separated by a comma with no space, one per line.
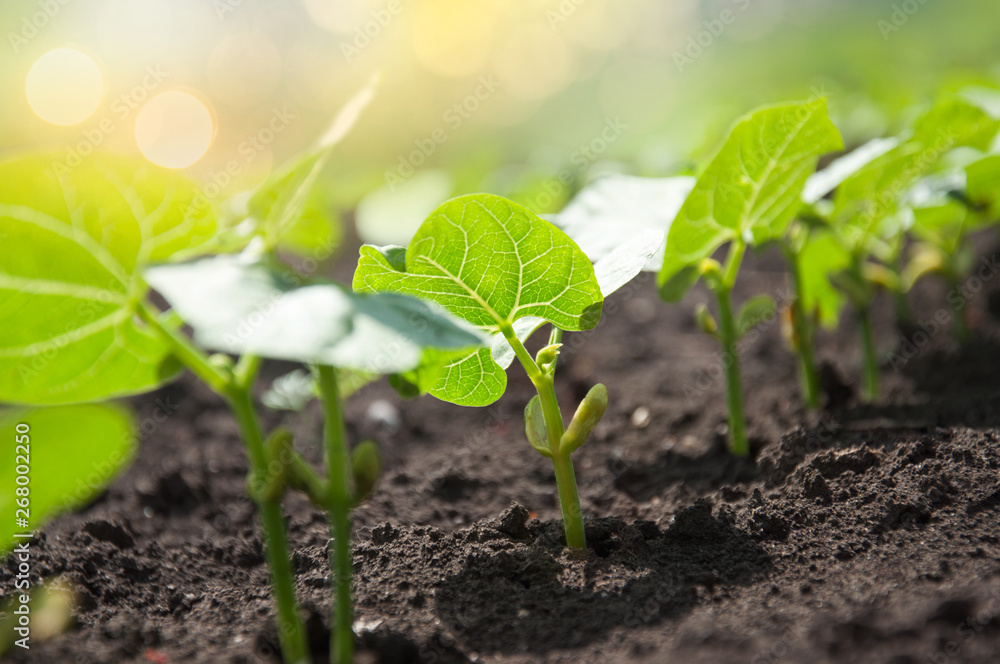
[174,129]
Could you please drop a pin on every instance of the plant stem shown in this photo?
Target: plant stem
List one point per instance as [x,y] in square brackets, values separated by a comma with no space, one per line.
[190,355]
[338,464]
[237,392]
[869,357]
[562,463]
[738,443]
[805,335]
[290,628]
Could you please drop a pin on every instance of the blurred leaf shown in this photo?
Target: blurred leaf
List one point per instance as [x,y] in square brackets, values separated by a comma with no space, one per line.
[280,202]
[822,257]
[366,464]
[955,122]
[74,246]
[983,183]
[392,214]
[825,181]
[874,192]
[264,309]
[291,391]
[74,453]
[756,310]
[705,321]
[51,606]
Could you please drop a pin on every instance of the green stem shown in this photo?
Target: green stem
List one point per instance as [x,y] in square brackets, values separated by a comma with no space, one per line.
[292,633]
[190,355]
[738,443]
[562,463]
[338,464]
[237,392]
[805,335]
[869,356]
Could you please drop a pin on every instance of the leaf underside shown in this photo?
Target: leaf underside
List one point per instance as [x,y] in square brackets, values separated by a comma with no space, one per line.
[262,309]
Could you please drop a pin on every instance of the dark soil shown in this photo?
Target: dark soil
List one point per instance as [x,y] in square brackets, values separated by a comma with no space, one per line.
[867,533]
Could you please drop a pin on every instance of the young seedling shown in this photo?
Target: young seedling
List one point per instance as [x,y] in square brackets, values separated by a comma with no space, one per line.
[813,254]
[80,326]
[943,216]
[868,215]
[256,307]
[746,196]
[504,270]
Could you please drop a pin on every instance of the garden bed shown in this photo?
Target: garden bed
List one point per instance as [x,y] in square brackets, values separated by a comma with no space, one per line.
[865,534]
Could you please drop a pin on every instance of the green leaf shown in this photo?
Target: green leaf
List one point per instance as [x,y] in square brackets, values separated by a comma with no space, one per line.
[756,310]
[243,307]
[751,189]
[534,426]
[280,206]
[873,193]
[491,262]
[955,122]
[74,453]
[982,182]
[366,464]
[74,245]
[316,231]
[705,321]
[825,181]
[821,257]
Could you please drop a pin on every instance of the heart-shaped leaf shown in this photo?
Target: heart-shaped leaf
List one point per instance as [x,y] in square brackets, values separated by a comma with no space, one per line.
[493,263]
[72,245]
[750,190]
[244,307]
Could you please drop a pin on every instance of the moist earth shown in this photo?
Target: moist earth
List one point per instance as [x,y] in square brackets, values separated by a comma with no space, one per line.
[864,533]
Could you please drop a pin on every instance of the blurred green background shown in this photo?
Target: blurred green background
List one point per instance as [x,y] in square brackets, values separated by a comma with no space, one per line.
[526,98]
